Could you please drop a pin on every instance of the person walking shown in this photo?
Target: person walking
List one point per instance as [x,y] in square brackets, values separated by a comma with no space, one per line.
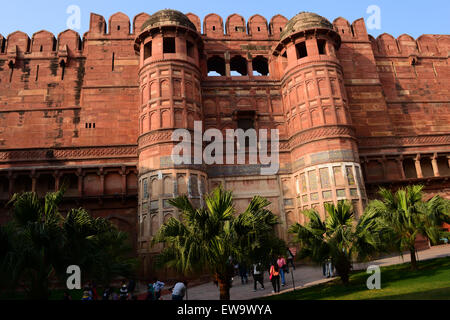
[150,292]
[329,269]
[158,286]
[282,266]
[107,293]
[178,291]
[87,294]
[124,291]
[131,287]
[258,276]
[243,273]
[275,277]
[290,258]
[94,291]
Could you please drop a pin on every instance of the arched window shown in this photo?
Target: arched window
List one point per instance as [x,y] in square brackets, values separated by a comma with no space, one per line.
[260,66]
[321,45]
[216,66]
[238,66]
[301,50]
[148,50]
[169,45]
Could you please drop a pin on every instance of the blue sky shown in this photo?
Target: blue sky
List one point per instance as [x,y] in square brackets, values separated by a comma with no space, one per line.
[397,16]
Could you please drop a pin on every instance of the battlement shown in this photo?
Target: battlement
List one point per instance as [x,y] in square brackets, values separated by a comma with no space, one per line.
[257,27]
[213,25]
[405,45]
[19,43]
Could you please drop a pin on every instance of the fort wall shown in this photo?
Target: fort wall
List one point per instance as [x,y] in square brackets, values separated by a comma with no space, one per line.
[96,112]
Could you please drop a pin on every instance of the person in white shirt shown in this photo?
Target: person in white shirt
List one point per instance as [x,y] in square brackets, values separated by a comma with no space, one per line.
[178,291]
[158,286]
[258,276]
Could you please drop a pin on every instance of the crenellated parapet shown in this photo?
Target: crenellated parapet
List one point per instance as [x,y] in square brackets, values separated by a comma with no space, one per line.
[356,31]
[42,44]
[405,45]
[213,26]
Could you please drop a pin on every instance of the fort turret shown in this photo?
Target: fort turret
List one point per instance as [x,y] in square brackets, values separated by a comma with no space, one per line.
[170,99]
[324,153]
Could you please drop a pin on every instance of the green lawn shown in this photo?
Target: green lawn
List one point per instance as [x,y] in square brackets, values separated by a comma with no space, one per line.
[54,295]
[431,281]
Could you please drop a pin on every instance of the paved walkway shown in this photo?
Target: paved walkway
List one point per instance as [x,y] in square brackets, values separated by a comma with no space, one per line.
[304,276]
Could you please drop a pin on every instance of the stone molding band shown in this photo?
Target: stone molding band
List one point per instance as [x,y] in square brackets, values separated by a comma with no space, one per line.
[52,154]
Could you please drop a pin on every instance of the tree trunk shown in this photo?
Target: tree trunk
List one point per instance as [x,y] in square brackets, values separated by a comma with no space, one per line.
[343,268]
[224,287]
[343,273]
[413,258]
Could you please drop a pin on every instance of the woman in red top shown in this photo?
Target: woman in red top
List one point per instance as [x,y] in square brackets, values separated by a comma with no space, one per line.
[275,277]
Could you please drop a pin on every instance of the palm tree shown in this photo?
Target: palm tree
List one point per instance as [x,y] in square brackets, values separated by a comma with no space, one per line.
[41,243]
[407,215]
[98,247]
[338,237]
[206,239]
[38,241]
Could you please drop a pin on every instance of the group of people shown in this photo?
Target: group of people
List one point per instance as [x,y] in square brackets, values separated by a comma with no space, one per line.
[277,272]
[154,290]
[126,292]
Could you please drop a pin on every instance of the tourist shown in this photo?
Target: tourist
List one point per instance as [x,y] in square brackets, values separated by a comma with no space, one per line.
[329,269]
[290,258]
[88,287]
[123,291]
[131,287]
[243,273]
[282,265]
[94,291]
[275,277]
[236,269]
[178,291]
[107,294]
[87,294]
[158,286]
[150,292]
[258,276]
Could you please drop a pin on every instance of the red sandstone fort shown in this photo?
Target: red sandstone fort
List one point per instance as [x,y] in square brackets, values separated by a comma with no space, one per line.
[97,112]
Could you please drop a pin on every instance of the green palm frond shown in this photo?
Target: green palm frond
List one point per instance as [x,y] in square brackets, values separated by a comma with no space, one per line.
[207,237]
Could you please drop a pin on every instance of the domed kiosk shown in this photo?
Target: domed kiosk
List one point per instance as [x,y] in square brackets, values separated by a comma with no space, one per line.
[309,23]
[168,17]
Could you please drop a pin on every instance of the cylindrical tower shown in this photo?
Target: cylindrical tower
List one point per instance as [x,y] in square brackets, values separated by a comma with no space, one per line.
[170,99]
[325,161]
